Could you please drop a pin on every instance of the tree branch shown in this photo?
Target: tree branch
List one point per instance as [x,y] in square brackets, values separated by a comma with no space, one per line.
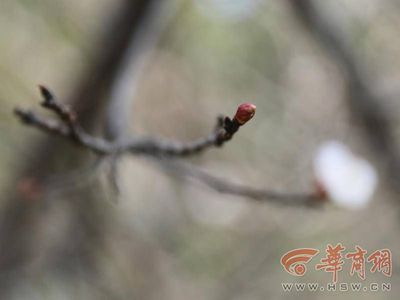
[223,186]
[67,127]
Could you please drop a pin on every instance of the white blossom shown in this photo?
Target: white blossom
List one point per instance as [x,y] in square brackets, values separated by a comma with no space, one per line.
[348,180]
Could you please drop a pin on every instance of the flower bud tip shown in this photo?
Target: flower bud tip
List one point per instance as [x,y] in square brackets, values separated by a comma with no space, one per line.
[244,113]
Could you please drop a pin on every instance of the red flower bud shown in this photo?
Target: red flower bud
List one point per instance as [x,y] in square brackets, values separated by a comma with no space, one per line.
[244,113]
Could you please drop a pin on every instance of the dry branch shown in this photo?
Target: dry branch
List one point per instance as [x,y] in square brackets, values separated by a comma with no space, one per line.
[66,125]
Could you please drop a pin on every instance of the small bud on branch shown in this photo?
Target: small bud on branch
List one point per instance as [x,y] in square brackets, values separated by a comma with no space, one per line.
[66,125]
[244,113]
[48,98]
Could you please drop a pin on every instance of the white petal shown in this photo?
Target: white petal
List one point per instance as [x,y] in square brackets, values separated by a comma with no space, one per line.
[350,181]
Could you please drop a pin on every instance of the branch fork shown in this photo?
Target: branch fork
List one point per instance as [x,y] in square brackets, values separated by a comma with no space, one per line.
[66,125]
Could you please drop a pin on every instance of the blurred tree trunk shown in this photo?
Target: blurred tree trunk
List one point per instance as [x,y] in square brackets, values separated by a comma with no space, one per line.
[81,218]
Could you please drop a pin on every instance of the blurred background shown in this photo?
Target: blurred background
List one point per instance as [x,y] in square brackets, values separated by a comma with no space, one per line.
[167,68]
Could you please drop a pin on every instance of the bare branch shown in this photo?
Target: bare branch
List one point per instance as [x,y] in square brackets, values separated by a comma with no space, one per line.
[227,187]
[68,127]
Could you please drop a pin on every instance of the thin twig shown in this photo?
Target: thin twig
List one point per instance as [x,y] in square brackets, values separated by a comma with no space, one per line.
[67,126]
[223,186]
